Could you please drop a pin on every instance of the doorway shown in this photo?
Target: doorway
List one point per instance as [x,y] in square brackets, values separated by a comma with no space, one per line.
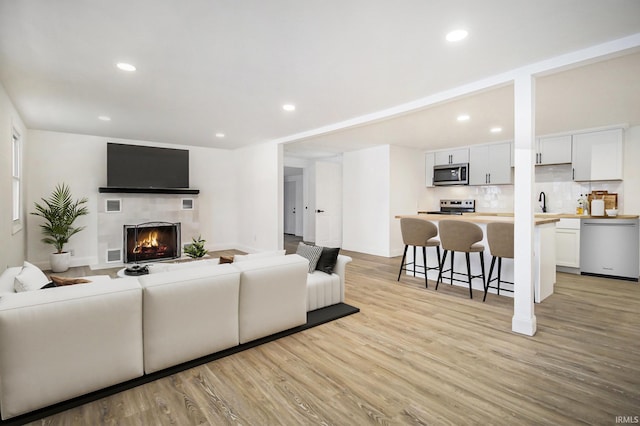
[293,201]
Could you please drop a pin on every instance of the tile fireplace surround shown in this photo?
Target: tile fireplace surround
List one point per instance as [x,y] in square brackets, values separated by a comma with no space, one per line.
[139,208]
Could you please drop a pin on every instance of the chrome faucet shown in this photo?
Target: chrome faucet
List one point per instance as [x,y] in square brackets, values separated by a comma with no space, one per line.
[543,198]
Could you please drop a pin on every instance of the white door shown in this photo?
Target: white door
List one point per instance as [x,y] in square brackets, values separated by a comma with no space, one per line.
[328,204]
[289,207]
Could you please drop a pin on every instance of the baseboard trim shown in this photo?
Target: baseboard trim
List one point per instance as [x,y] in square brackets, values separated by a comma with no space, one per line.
[314,318]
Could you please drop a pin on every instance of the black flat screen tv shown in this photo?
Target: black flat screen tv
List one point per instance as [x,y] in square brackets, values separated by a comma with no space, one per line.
[135,166]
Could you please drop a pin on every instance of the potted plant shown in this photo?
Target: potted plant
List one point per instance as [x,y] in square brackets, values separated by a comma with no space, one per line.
[196,249]
[60,212]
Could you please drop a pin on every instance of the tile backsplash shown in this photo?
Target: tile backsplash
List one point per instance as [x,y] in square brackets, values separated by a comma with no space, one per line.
[555,181]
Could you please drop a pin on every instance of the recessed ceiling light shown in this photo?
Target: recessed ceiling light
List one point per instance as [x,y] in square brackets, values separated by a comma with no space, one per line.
[104,118]
[463,117]
[496,129]
[125,67]
[289,107]
[457,35]
[219,135]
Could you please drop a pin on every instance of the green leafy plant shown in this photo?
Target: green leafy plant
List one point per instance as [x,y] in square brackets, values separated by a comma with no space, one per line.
[60,212]
[196,248]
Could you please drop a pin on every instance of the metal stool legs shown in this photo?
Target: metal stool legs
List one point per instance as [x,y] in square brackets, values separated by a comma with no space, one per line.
[499,278]
[426,268]
[469,275]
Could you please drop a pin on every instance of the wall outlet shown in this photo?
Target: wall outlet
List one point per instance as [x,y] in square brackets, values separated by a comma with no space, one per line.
[72,252]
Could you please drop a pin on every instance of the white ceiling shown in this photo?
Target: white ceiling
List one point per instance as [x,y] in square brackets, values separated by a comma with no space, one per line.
[591,96]
[208,66]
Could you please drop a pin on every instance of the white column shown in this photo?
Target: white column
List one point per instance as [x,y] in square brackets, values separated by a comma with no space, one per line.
[524,319]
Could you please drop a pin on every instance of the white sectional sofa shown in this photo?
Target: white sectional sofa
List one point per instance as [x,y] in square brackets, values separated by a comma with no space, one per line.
[60,343]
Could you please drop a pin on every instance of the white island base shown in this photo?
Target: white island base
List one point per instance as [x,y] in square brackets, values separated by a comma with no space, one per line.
[544,261]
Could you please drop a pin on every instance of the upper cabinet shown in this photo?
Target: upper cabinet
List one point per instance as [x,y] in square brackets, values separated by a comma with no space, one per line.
[598,155]
[490,164]
[553,150]
[451,157]
[429,162]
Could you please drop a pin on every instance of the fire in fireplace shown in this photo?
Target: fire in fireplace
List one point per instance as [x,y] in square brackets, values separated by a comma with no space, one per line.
[151,241]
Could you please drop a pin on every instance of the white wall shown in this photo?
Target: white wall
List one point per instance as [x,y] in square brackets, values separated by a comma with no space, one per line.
[366,202]
[407,171]
[260,201]
[12,249]
[80,162]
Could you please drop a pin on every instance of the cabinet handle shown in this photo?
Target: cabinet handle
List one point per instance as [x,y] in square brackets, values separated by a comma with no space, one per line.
[489,177]
[573,174]
[540,161]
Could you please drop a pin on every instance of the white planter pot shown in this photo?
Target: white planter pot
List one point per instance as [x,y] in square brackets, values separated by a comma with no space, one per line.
[60,262]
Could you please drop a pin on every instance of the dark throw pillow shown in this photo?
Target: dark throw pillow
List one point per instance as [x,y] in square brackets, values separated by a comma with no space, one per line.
[311,253]
[225,259]
[328,259]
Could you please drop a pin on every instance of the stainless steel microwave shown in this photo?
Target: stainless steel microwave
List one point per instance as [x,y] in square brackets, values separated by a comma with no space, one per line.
[451,174]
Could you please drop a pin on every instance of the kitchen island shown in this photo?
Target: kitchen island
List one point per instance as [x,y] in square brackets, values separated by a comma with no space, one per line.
[544,254]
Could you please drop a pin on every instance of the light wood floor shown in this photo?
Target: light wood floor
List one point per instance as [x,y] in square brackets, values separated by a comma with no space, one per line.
[414,356]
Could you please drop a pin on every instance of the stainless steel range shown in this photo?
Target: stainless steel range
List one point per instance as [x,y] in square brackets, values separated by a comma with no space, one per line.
[455,207]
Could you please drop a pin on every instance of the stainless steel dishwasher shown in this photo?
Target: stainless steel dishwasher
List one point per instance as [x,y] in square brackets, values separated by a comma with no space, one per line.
[609,247]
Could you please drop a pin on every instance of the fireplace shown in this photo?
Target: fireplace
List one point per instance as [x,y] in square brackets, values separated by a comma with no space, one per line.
[151,241]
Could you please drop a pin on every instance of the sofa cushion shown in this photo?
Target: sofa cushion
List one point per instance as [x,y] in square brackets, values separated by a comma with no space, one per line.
[188,314]
[259,255]
[30,278]
[273,295]
[311,253]
[8,278]
[328,259]
[61,343]
[168,267]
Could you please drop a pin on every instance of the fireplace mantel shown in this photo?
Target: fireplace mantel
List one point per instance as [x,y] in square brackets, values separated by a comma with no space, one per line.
[126,190]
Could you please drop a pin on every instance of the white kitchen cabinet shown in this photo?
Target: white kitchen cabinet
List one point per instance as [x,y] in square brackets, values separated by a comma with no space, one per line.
[456,156]
[429,162]
[597,155]
[553,150]
[568,243]
[490,164]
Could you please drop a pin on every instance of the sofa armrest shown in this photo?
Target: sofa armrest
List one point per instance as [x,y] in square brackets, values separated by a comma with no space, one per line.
[60,343]
[340,270]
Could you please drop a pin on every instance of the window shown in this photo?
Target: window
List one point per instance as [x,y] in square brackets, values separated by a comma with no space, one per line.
[16,148]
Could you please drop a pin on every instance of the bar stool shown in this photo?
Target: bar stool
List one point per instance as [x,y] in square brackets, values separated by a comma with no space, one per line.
[418,233]
[457,235]
[500,236]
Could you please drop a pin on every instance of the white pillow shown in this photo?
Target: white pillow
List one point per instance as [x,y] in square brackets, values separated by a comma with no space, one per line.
[30,278]
[262,254]
[7,279]
[311,253]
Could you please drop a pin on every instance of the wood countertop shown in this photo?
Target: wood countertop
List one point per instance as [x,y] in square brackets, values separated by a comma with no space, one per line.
[476,218]
[557,215]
